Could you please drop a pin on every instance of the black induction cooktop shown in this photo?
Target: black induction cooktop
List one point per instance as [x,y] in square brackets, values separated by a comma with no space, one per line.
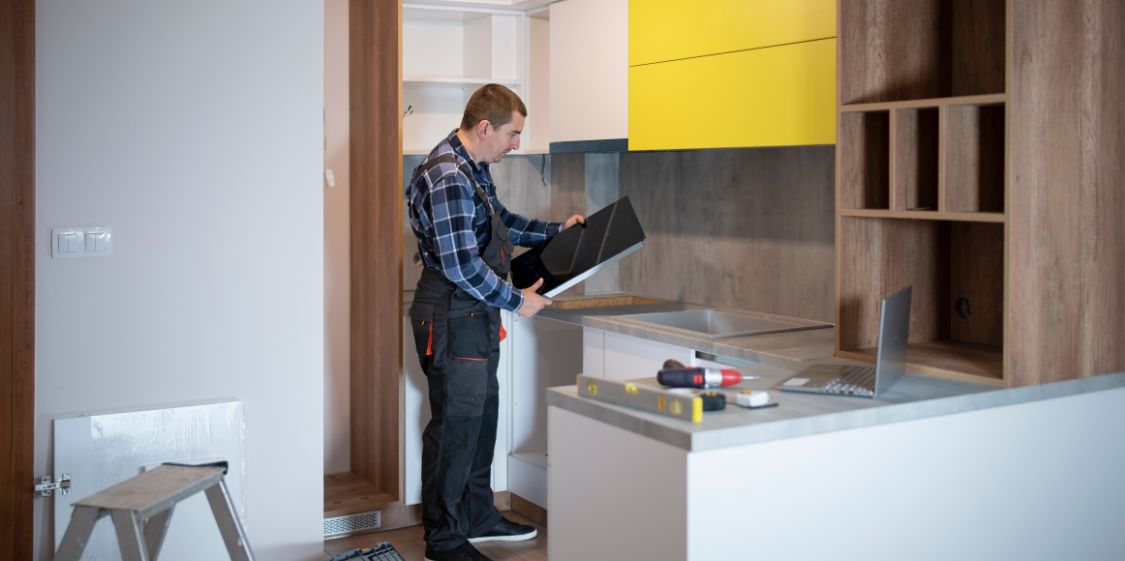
[578,252]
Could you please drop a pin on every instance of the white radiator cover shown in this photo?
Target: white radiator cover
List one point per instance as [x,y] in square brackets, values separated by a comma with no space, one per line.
[101,450]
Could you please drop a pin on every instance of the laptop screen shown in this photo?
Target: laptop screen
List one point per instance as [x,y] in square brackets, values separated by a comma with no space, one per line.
[894,330]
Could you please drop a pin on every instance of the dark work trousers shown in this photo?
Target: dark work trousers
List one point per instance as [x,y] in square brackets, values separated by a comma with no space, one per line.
[458,342]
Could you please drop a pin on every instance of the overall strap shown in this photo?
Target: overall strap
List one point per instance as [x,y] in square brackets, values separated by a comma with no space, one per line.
[431,163]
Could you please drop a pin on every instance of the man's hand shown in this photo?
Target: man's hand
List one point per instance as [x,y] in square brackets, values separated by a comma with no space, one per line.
[576,219]
[532,301]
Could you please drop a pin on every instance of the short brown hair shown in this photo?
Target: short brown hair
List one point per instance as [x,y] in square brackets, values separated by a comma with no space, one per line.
[493,103]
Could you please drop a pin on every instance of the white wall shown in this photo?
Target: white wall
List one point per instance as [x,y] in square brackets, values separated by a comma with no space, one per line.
[337,264]
[195,131]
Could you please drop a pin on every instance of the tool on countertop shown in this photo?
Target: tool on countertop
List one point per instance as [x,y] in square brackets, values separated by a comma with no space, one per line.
[672,403]
[676,375]
[753,399]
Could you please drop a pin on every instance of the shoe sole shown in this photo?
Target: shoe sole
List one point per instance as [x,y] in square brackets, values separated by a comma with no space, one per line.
[516,538]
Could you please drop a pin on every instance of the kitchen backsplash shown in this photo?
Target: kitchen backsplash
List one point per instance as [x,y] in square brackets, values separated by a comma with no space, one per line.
[742,228]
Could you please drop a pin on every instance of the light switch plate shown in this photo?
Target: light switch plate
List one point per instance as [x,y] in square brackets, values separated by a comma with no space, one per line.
[67,242]
[81,241]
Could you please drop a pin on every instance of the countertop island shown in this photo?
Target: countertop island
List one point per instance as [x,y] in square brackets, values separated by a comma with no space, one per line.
[933,469]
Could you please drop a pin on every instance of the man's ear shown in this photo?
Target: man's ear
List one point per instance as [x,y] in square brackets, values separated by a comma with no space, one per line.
[482,127]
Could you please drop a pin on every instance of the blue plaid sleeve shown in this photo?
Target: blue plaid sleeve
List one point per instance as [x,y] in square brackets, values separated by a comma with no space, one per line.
[452,211]
[525,231]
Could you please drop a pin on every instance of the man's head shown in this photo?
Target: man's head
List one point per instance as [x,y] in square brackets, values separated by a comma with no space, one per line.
[492,123]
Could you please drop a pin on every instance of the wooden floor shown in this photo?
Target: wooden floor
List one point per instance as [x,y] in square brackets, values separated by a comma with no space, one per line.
[409,542]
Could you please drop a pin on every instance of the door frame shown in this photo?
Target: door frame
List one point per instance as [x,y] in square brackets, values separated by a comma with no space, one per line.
[17,277]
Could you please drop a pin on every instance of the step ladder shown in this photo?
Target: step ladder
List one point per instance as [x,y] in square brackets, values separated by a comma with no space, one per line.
[141,508]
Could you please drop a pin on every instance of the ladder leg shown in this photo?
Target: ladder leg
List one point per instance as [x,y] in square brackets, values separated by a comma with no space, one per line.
[82,522]
[156,527]
[229,527]
[130,536]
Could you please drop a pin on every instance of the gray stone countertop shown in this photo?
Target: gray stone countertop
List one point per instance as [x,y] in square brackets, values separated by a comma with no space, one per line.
[912,397]
[774,348]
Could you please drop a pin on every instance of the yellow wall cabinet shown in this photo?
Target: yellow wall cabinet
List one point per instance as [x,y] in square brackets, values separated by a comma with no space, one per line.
[731,73]
[663,30]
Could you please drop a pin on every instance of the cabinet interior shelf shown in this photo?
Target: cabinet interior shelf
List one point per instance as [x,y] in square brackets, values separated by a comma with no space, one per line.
[536,458]
[971,362]
[991,217]
[986,99]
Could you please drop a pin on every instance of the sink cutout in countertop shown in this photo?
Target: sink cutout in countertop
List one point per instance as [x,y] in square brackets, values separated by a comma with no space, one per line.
[720,324]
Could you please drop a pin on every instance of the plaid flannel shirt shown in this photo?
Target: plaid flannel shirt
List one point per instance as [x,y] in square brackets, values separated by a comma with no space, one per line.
[452,226]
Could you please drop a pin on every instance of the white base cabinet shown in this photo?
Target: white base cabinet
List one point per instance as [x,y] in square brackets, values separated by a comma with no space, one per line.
[1038,480]
[545,353]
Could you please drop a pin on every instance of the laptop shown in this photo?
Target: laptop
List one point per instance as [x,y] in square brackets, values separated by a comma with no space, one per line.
[579,252]
[864,381]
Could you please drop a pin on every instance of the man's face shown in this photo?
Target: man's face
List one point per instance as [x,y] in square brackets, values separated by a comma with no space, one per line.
[501,140]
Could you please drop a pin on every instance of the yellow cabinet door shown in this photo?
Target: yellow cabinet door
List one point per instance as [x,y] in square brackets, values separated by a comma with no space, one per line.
[779,96]
[663,30]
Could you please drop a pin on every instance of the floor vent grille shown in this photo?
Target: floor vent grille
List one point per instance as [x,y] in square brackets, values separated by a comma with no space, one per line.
[352,524]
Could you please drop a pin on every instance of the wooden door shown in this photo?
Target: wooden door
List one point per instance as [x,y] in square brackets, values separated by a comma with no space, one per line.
[17,275]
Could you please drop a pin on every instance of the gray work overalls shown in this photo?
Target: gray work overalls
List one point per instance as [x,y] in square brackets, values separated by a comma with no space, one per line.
[457,338]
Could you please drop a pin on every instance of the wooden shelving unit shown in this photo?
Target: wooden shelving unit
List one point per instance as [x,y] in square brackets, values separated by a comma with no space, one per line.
[979,161]
[920,180]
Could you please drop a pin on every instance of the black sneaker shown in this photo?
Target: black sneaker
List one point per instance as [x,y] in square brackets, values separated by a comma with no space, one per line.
[463,552]
[506,531]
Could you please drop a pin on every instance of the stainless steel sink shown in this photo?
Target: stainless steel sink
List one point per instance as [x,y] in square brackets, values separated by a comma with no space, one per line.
[720,324]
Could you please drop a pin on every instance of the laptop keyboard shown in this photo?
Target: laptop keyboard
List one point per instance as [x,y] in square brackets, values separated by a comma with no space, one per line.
[857,380]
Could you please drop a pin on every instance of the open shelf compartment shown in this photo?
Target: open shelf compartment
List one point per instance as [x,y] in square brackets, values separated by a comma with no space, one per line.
[914,159]
[973,171]
[956,269]
[892,50]
[864,141]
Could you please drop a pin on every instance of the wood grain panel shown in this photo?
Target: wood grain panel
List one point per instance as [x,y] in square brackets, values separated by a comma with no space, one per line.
[17,276]
[864,152]
[914,159]
[749,228]
[877,257]
[968,362]
[889,50]
[376,244]
[909,49]
[976,46]
[973,159]
[529,510]
[1065,316]
[976,274]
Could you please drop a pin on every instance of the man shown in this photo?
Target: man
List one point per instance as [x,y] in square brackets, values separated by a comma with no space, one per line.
[465,238]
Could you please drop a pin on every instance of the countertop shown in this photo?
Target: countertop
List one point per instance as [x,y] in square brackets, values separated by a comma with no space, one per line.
[775,348]
[912,397]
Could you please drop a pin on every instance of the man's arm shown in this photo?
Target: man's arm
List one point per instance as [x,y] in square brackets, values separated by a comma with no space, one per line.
[526,231]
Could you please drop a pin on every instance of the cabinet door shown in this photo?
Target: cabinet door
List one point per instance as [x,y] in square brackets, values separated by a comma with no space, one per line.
[589,70]
[780,96]
[663,30]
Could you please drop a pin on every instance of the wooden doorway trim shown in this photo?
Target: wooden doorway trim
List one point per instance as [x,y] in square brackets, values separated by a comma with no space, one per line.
[375,90]
[17,276]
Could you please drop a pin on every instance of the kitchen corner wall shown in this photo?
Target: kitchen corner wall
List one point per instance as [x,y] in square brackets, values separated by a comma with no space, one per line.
[749,228]
[745,228]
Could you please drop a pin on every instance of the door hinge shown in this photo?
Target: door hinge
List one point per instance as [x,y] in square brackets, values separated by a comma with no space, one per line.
[46,487]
